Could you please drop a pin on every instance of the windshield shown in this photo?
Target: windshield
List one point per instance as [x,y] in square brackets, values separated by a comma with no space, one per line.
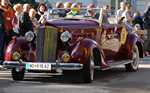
[83,14]
[78,9]
[85,2]
[98,3]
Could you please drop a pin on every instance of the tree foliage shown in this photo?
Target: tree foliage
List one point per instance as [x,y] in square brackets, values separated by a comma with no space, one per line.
[32,2]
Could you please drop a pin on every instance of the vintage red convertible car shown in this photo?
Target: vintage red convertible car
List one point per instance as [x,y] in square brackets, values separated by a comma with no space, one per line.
[74,44]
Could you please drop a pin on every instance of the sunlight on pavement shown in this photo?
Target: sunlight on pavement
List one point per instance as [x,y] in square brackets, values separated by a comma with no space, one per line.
[144,66]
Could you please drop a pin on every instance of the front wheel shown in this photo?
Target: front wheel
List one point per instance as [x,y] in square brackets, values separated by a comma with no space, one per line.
[88,71]
[17,74]
[133,66]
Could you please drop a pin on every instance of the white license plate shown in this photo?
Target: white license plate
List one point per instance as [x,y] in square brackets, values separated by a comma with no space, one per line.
[38,66]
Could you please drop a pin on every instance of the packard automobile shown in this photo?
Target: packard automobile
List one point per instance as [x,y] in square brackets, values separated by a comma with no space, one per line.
[76,45]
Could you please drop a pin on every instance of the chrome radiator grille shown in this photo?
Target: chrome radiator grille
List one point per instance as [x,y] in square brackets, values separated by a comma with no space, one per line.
[46,44]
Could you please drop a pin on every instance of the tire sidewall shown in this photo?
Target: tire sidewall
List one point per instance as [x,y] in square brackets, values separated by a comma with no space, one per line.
[17,75]
[136,60]
[88,70]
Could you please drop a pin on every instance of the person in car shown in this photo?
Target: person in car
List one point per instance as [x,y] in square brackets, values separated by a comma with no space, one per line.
[67,6]
[80,5]
[91,12]
[60,9]
[104,14]
[74,10]
[40,16]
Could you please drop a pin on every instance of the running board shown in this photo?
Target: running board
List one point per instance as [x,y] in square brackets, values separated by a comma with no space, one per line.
[113,64]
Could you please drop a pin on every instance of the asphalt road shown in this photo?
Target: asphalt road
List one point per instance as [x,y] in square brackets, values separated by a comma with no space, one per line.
[116,80]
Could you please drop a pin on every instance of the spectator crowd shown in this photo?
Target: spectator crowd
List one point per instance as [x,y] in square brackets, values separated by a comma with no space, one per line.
[16,20]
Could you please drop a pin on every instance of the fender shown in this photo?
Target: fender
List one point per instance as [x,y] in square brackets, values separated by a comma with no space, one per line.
[82,51]
[140,44]
[140,47]
[130,42]
[8,51]
[18,44]
[131,39]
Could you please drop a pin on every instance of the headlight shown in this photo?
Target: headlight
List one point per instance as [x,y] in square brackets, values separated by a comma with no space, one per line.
[16,56]
[65,36]
[29,36]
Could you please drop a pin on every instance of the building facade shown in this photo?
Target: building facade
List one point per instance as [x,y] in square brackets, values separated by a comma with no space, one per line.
[142,5]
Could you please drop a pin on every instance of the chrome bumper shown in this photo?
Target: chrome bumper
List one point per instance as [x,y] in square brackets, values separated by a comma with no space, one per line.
[54,65]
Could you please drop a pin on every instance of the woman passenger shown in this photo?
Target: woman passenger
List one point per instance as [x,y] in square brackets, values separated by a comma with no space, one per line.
[41,12]
[74,10]
[67,6]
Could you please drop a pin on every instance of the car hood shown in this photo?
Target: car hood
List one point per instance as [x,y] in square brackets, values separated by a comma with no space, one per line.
[73,23]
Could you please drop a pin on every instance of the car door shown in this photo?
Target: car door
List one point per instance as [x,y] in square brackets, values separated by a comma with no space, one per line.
[110,41]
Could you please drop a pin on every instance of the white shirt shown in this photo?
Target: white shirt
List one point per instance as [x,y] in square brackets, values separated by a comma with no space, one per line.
[127,16]
[19,19]
[119,14]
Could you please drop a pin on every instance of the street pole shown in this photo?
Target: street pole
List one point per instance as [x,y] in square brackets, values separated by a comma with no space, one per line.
[116,5]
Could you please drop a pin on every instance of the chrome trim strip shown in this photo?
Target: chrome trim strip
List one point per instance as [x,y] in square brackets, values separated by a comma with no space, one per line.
[54,65]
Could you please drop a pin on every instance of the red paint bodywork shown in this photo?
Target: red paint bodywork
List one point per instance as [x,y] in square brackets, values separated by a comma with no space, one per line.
[21,46]
[86,36]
